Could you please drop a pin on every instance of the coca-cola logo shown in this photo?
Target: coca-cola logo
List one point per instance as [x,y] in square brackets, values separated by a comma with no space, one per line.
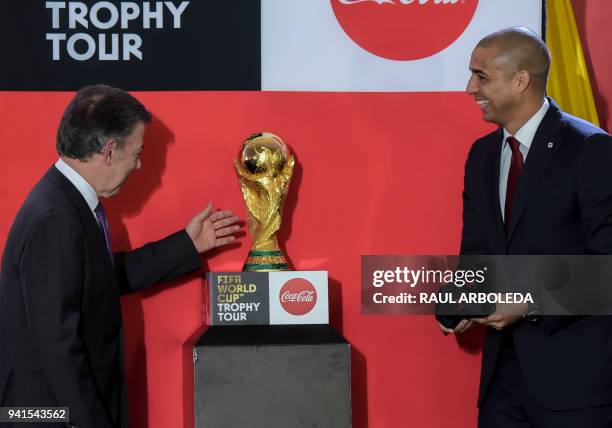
[404,29]
[298,296]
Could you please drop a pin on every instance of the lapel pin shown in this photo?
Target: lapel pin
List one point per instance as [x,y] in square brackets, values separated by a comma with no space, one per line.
[551,145]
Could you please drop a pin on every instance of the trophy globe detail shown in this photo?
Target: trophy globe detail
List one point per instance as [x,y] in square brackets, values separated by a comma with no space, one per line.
[264,169]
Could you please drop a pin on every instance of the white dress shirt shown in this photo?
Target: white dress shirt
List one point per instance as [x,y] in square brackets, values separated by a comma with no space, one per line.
[88,192]
[525,137]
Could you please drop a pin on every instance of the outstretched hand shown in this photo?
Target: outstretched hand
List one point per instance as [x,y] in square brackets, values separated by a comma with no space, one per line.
[210,229]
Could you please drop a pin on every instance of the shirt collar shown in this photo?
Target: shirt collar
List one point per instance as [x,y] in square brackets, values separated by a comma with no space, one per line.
[84,188]
[527,132]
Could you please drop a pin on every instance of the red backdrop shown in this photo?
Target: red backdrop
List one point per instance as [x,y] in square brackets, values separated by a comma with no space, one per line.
[593,18]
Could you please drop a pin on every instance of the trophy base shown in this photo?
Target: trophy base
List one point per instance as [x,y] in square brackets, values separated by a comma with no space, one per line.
[265,261]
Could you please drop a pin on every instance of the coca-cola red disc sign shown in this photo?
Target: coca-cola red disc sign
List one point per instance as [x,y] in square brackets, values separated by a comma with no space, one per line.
[404,29]
[298,296]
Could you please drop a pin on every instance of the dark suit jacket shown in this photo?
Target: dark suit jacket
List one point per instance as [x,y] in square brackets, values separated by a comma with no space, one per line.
[563,205]
[60,317]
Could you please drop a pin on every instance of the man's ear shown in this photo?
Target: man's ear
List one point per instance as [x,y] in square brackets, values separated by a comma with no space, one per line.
[110,151]
[522,80]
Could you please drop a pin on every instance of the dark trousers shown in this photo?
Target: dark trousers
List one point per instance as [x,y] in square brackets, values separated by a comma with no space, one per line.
[510,404]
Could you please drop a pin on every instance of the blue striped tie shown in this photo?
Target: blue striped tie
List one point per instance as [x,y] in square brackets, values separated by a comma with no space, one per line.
[103,223]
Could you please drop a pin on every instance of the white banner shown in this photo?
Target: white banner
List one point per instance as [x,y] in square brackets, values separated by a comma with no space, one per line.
[380,45]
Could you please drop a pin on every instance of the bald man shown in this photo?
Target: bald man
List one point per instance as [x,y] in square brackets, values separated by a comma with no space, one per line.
[540,184]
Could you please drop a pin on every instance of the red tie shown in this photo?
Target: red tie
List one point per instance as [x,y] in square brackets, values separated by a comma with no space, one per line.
[516,167]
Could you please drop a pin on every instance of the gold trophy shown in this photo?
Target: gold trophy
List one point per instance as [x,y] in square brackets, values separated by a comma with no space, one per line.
[264,170]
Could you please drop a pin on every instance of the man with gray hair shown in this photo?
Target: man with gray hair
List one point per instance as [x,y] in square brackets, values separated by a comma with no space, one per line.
[540,184]
[61,337]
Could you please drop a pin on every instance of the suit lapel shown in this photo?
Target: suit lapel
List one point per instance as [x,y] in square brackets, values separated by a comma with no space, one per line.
[87,218]
[543,148]
[492,185]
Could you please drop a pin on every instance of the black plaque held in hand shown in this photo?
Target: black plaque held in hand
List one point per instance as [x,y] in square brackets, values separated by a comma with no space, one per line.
[451,314]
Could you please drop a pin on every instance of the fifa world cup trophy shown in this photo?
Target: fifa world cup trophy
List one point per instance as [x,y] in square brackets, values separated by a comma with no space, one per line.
[264,169]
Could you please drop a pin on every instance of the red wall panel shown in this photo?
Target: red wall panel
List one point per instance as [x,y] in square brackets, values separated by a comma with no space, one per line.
[593,18]
[376,174]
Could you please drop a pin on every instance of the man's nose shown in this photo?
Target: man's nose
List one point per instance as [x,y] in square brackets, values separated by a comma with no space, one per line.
[471,88]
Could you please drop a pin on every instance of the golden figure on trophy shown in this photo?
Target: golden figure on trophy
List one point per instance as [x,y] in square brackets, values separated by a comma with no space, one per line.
[264,171]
